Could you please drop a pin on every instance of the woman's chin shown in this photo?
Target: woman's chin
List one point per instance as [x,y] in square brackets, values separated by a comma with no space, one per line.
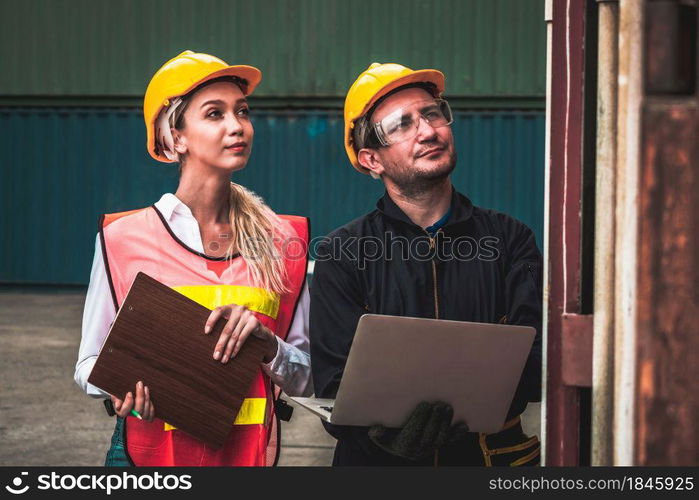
[216,165]
[232,166]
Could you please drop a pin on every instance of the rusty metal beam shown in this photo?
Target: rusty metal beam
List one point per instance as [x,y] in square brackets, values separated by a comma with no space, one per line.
[667,401]
[605,229]
[670,54]
[566,63]
[668,302]
[626,222]
[576,350]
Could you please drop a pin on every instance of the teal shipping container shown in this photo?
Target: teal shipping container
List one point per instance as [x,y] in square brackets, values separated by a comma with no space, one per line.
[62,168]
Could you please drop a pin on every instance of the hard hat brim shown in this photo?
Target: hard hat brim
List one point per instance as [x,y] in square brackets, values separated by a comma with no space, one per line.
[248,73]
[420,76]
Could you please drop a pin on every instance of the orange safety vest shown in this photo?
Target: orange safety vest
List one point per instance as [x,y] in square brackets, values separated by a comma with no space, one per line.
[141,240]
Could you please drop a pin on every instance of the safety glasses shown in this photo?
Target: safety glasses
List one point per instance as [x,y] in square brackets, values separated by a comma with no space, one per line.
[403,123]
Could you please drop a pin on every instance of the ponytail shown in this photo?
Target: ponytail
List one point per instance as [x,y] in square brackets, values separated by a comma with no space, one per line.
[258,234]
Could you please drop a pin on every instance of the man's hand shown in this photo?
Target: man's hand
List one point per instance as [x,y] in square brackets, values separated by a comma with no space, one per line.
[240,324]
[427,429]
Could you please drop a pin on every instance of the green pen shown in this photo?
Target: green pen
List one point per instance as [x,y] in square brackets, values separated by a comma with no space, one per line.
[136,414]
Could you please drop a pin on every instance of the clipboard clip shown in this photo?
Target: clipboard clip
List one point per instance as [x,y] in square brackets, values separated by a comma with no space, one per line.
[109,407]
[282,409]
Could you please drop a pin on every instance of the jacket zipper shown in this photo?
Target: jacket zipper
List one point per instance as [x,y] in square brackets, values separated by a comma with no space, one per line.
[434,276]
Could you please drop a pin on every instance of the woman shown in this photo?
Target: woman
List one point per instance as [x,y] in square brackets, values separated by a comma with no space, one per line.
[217,243]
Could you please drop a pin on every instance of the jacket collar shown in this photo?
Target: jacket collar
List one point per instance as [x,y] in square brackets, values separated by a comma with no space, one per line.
[461,209]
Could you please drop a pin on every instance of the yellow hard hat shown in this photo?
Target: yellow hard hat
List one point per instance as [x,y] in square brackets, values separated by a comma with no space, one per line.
[180,75]
[375,82]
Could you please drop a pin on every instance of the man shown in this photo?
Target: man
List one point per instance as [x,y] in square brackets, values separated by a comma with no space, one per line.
[426,251]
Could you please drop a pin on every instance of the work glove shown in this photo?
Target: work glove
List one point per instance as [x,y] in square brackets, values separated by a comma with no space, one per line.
[427,429]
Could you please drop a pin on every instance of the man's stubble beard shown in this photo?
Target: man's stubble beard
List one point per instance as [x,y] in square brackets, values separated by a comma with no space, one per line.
[413,183]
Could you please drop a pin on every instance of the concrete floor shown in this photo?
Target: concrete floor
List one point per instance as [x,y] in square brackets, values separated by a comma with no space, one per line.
[46,419]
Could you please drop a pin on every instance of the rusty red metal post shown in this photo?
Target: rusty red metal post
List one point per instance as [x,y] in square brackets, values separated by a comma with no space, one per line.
[667,370]
[564,223]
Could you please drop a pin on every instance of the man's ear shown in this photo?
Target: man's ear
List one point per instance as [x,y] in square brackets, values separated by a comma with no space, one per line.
[369,159]
[180,142]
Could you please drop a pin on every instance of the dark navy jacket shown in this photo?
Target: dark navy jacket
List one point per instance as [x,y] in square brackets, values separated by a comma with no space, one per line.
[482,266]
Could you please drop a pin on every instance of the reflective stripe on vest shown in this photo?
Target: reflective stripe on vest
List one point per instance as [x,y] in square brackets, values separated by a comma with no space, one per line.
[211,296]
[252,411]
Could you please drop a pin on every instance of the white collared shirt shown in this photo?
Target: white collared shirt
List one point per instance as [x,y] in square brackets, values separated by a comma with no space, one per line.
[290,369]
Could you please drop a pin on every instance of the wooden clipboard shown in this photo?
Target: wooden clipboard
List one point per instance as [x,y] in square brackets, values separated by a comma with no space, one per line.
[158,337]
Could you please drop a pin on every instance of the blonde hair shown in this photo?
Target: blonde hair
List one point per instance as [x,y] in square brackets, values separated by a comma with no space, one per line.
[257,231]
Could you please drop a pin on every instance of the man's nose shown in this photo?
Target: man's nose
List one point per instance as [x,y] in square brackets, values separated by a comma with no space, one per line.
[425,130]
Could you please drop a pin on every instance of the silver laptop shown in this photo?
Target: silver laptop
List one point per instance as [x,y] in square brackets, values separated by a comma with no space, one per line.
[396,362]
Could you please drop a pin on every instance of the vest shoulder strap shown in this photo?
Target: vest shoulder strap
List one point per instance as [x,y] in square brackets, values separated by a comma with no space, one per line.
[104,221]
[107,219]
[302,225]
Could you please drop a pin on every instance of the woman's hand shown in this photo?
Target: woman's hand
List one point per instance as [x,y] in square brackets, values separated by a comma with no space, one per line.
[240,324]
[141,403]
